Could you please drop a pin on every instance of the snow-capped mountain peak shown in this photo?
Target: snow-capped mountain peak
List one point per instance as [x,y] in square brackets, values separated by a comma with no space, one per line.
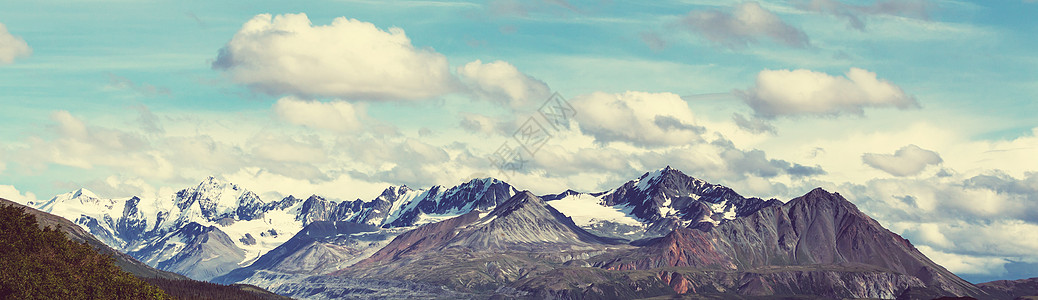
[216,199]
[659,201]
[84,193]
[80,200]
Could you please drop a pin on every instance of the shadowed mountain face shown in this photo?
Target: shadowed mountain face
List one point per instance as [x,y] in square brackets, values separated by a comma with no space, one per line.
[817,229]
[321,247]
[503,239]
[201,252]
[526,223]
[523,223]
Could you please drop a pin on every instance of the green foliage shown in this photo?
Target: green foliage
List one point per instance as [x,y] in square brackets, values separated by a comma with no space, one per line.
[191,289]
[42,263]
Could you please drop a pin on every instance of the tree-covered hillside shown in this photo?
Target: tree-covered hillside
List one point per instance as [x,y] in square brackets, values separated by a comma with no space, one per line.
[40,263]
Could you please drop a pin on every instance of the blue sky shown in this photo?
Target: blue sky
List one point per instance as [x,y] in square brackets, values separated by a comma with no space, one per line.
[921,112]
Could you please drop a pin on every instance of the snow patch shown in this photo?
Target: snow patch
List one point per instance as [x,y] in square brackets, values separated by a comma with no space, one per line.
[585,209]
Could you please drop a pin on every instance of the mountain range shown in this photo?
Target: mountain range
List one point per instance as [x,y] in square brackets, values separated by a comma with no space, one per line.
[664,233]
[110,284]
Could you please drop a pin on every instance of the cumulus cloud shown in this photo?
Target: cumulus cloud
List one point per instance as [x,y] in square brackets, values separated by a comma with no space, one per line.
[748,23]
[907,161]
[857,14]
[349,59]
[501,82]
[11,46]
[640,118]
[805,92]
[9,192]
[338,116]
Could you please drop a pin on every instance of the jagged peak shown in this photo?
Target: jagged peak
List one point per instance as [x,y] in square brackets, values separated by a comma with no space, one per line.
[665,174]
[521,200]
[83,192]
[479,180]
[215,182]
[211,180]
[484,180]
[394,191]
[820,194]
[819,197]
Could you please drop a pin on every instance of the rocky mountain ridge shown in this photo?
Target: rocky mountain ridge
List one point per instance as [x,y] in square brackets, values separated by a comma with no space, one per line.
[664,233]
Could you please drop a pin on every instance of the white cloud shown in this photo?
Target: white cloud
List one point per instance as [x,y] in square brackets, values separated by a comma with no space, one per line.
[81,146]
[806,92]
[12,46]
[971,226]
[349,59]
[272,186]
[748,23]
[336,116]
[482,124]
[179,155]
[640,118]
[11,193]
[928,233]
[907,161]
[965,264]
[282,148]
[501,82]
